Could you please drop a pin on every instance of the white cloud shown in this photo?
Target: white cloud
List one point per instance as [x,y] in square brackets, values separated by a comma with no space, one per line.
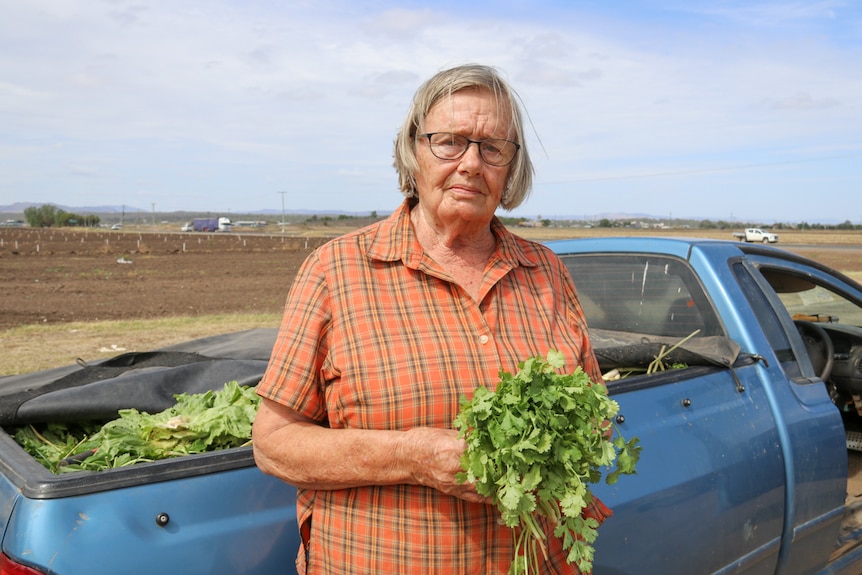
[768,14]
[801,101]
[157,98]
[400,22]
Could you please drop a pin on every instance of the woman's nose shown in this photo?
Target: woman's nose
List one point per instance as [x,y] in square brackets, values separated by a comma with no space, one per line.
[472,158]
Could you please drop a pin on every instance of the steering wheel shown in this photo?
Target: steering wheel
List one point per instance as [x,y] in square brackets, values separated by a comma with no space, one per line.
[818,344]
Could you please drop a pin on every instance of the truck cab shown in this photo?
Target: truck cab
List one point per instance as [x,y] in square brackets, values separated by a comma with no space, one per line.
[744,466]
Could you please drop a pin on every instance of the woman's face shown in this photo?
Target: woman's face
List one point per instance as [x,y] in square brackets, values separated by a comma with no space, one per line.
[466,189]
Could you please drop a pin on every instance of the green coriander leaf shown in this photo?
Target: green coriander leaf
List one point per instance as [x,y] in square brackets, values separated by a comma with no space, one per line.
[534,445]
[556,359]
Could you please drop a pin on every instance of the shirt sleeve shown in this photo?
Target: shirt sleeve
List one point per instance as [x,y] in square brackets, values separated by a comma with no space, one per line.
[292,377]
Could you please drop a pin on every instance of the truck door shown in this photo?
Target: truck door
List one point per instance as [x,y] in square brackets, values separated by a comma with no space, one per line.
[709,491]
[815,443]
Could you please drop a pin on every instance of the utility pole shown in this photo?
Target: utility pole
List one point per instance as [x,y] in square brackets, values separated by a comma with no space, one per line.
[282,210]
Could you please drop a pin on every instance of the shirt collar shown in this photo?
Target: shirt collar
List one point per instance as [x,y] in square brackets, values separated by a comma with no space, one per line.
[395,239]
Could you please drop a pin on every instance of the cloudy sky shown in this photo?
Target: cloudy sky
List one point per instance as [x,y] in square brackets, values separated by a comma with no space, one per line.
[720,109]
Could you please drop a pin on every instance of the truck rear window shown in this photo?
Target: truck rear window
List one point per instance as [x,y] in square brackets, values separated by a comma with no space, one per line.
[645,294]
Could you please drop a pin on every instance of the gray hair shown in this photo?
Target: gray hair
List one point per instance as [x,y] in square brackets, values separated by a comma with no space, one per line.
[445,83]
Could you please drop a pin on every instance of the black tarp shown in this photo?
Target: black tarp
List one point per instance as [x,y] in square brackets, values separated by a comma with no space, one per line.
[146,381]
[619,349]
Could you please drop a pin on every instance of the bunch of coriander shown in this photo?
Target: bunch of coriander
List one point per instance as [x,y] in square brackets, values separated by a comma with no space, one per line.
[535,445]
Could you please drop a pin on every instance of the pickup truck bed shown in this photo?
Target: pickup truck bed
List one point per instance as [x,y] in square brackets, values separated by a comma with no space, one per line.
[208,513]
[750,460]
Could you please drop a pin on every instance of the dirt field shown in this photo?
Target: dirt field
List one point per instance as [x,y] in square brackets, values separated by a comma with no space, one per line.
[51,276]
[55,276]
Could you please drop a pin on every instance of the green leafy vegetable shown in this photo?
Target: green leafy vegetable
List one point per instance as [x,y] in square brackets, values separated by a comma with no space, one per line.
[535,445]
[195,424]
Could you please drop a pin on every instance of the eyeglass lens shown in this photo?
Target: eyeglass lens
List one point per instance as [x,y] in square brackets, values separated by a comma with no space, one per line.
[495,151]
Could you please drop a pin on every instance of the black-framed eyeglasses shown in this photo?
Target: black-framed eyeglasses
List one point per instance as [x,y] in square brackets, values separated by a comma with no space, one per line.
[448,146]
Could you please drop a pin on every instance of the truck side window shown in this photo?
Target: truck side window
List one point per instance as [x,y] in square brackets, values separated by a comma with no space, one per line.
[644,294]
[768,320]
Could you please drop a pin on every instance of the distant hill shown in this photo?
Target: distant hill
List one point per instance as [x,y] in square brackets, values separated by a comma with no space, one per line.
[19,207]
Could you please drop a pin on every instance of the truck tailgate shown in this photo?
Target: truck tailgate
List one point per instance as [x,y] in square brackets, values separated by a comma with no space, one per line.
[234,521]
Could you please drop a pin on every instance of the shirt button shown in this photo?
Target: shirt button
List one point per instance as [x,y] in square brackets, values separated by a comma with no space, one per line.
[483,339]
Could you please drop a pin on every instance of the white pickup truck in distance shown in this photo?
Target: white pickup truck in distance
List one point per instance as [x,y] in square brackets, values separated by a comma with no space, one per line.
[756,235]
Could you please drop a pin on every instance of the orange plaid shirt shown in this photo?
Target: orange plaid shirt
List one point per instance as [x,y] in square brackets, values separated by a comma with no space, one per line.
[376,336]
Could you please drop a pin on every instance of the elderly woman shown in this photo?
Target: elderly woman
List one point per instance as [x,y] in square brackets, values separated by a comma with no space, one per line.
[387,327]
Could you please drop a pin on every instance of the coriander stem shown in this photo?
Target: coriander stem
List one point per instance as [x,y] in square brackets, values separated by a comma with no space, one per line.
[42,438]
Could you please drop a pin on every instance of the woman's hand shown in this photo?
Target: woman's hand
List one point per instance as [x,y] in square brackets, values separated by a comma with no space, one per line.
[298,450]
[436,456]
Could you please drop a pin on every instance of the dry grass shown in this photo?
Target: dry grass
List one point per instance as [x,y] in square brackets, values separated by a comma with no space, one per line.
[338,227]
[37,347]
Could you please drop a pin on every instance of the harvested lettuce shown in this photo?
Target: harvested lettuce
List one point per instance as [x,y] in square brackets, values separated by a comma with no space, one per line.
[198,423]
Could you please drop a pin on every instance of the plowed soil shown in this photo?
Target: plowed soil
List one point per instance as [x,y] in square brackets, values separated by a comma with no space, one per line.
[59,275]
[53,276]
